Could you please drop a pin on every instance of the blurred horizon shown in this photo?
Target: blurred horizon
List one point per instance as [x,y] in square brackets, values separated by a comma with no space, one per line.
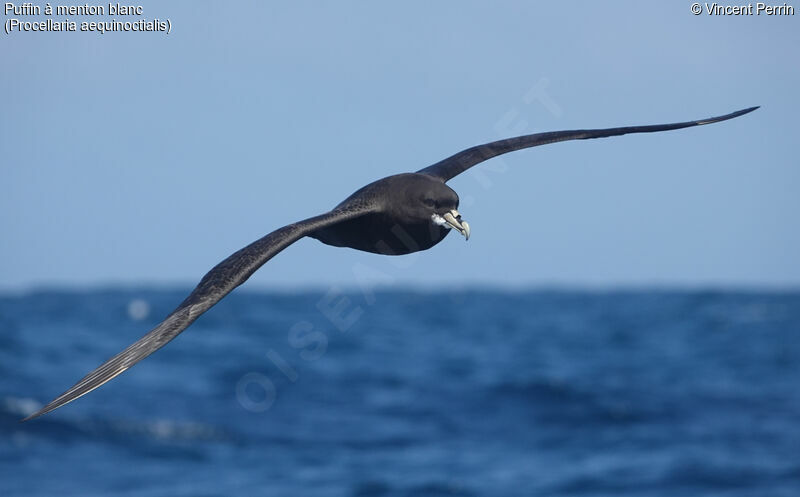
[420,289]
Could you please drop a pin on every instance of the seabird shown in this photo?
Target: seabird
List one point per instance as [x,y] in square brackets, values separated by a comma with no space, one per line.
[395,215]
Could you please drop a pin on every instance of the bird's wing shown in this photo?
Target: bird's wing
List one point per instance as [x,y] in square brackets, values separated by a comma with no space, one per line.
[223,278]
[460,162]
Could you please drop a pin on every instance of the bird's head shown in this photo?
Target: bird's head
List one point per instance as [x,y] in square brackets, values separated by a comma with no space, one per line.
[429,200]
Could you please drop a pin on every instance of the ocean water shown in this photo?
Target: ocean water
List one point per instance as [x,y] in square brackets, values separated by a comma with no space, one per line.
[404,393]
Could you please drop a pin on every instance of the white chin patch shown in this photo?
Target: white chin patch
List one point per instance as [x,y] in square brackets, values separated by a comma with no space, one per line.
[440,221]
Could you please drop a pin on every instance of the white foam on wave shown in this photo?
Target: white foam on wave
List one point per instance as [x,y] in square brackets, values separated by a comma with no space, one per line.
[22,406]
[138,309]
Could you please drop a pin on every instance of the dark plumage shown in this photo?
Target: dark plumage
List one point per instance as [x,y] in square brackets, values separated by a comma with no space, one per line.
[396,215]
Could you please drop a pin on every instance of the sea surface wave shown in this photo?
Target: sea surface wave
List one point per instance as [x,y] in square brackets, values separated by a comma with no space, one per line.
[401,393]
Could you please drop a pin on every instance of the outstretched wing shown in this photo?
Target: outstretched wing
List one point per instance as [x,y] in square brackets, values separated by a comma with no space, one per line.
[460,162]
[223,278]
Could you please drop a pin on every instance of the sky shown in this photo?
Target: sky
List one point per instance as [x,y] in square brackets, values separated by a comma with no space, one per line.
[146,158]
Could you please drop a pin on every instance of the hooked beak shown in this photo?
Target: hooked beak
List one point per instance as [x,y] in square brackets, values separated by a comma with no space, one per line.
[452,219]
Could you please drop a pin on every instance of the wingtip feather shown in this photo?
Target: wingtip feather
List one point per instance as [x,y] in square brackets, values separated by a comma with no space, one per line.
[43,410]
[747,110]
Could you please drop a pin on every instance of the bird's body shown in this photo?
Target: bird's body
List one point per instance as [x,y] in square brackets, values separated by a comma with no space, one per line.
[394,224]
[395,215]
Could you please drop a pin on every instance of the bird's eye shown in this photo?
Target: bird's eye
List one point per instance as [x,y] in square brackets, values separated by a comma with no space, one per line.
[429,202]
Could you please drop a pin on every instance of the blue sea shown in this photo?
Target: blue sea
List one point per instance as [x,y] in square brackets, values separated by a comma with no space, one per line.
[407,393]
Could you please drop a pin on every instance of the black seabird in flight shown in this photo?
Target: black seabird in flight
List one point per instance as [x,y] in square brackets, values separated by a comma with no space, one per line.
[395,215]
